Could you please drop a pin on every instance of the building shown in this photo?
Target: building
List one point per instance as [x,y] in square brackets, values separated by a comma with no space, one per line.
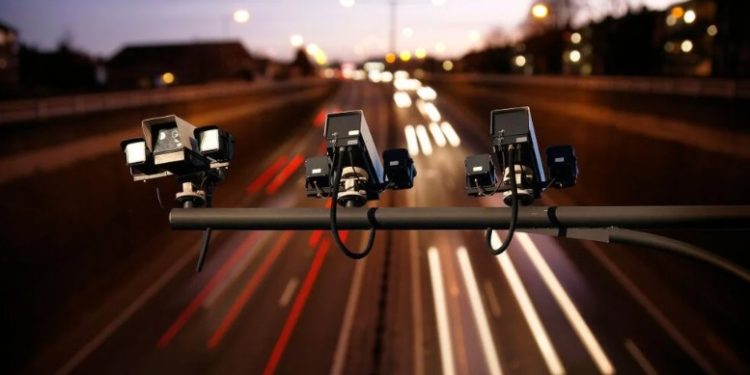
[161,65]
[9,73]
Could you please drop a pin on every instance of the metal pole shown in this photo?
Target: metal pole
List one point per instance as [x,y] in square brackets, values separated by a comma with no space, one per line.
[393,4]
[460,218]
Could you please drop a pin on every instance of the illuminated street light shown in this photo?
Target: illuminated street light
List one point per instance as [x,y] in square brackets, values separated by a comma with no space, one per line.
[686,46]
[405,55]
[447,65]
[312,48]
[167,78]
[689,16]
[576,38]
[712,30]
[321,58]
[575,56]
[390,57]
[347,3]
[474,36]
[678,12]
[669,47]
[241,16]
[539,11]
[296,40]
[520,61]
[440,47]
[408,32]
[420,53]
[671,20]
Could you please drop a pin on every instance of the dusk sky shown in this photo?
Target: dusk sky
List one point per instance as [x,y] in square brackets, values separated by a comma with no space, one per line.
[102,27]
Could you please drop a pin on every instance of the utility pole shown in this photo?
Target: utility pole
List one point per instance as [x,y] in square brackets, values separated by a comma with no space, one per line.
[393,6]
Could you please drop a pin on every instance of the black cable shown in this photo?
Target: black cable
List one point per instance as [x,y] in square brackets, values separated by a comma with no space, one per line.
[514,206]
[655,241]
[206,240]
[334,224]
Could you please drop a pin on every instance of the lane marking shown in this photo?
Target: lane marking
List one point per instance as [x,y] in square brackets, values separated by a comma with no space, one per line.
[411,140]
[480,316]
[424,140]
[441,311]
[284,174]
[127,313]
[288,292]
[298,305]
[266,175]
[566,304]
[342,344]
[646,366]
[529,312]
[248,290]
[495,309]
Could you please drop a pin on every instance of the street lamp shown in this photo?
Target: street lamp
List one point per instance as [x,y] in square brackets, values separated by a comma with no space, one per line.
[539,11]
[296,40]
[392,5]
[241,16]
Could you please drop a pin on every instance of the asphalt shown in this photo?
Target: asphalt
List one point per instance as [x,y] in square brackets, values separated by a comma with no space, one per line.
[422,302]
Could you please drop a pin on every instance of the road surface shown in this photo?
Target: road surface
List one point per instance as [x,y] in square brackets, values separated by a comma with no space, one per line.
[422,302]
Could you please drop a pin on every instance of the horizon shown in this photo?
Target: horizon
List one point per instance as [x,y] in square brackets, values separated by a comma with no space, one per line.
[457,27]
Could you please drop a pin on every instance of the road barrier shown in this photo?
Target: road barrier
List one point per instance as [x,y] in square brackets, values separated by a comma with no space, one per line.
[697,87]
[45,108]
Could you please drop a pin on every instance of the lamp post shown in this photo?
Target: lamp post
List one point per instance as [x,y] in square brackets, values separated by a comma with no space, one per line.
[392,13]
[240,16]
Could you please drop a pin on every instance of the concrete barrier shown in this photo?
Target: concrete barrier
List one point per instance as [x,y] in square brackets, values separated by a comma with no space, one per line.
[44,108]
[697,87]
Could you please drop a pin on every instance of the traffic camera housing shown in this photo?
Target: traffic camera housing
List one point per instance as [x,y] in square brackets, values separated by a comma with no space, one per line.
[563,166]
[172,142]
[363,177]
[197,157]
[318,176]
[352,173]
[514,127]
[349,139]
[481,179]
[399,169]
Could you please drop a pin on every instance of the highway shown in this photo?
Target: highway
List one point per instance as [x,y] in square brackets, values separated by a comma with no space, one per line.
[422,302]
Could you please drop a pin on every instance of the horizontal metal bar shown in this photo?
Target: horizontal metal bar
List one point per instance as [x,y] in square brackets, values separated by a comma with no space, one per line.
[459,218]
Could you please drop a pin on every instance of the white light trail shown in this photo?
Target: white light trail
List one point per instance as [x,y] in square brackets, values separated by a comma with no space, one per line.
[480,315]
[437,134]
[427,93]
[441,311]
[432,112]
[566,304]
[402,99]
[549,354]
[411,140]
[424,140]
[450,133]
